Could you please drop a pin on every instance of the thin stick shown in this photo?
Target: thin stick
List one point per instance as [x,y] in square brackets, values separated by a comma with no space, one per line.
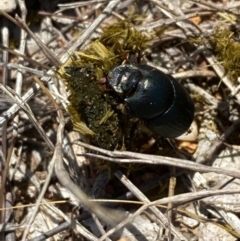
[132,157]
[160,216]
[5,38]
[48,53]
[106,12]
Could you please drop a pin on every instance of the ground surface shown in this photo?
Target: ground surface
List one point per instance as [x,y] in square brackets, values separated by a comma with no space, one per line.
[184,189]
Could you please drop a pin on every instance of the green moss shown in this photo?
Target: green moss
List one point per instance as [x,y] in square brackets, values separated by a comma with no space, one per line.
[228,51]
[123,39]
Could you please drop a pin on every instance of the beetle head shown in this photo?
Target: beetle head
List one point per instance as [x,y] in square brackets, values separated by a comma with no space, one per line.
[124,80]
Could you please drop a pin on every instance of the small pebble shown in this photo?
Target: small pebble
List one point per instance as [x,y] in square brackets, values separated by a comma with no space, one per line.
[8,5]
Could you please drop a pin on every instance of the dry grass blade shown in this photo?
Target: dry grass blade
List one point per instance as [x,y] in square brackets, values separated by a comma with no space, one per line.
[160,216]
[46,51]
[104,214]
[130,157]
[35,63]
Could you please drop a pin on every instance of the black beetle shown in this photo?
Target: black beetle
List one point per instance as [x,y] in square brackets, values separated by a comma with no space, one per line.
[154,97]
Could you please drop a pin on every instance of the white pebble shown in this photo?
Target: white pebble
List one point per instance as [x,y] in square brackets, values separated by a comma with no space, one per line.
[8,5]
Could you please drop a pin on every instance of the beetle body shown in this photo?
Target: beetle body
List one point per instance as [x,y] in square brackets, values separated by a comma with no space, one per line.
[154,97]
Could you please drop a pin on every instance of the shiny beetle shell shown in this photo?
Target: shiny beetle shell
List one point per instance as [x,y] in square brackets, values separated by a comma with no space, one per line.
[154,97]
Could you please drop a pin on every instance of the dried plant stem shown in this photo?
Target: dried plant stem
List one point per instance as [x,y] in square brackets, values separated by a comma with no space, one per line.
[176,200]
[39,199]
[131,157]
[172,185]
[51,56]
[11,236]
[30,60]
[5,37]
[50,166]
[160,216]
[106,12]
